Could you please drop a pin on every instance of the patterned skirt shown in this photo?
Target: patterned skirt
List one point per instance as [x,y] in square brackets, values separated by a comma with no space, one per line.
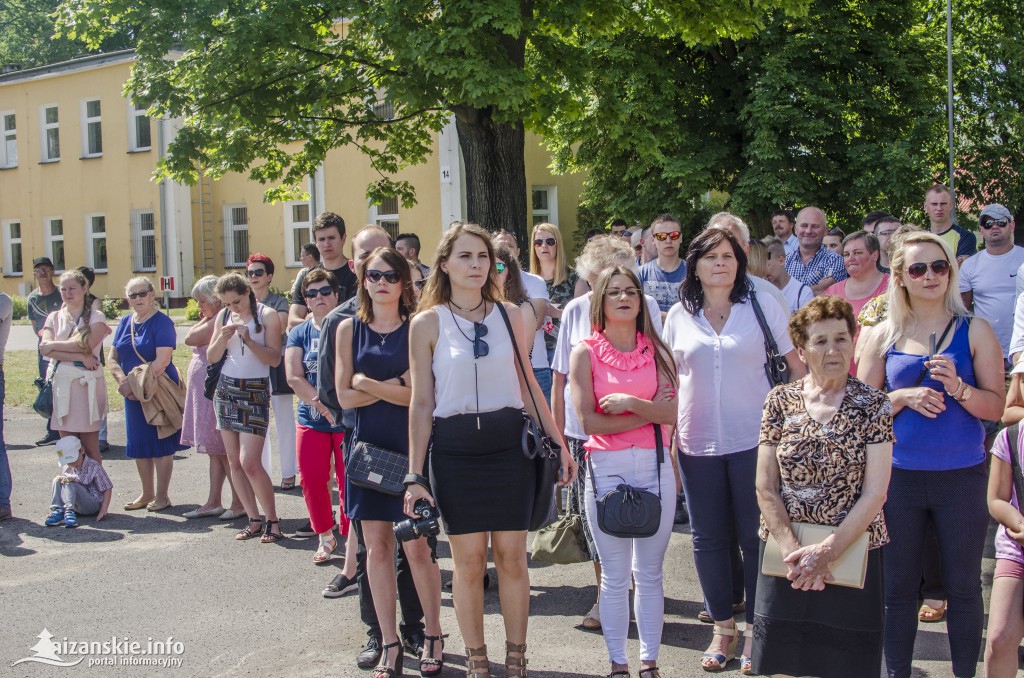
[243,405]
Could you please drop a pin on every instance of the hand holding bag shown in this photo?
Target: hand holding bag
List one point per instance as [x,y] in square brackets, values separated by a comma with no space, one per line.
[630,512]
[213,369]
[43,404]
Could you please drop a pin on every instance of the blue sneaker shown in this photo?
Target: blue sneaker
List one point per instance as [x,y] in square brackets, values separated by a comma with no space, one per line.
[70,519]
[56,517]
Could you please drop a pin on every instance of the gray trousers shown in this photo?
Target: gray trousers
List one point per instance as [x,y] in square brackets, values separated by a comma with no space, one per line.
[74,497]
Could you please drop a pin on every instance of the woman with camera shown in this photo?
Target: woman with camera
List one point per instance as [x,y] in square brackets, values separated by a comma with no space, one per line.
[373,355]
[470,393]
[623,382]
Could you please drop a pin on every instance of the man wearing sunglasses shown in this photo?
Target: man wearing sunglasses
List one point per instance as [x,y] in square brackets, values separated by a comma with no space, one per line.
[990,281]
[662,276]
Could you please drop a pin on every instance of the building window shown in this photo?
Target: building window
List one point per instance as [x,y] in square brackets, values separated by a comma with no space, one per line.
[385,215]
[96,241]
[139,131]
[143,241]
[12,248]
[55,242]
[92,129]
[236,235]
[298,230]
[8,140]
[50,126]
[545,205]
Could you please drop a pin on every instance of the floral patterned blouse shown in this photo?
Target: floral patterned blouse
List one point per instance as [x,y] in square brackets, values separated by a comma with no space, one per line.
[560,295]
[823,466]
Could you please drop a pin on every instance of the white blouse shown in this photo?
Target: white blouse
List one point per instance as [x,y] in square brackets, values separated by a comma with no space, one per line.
[722,382]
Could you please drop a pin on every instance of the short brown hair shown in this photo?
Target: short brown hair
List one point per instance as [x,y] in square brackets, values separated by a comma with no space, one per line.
[817,310]
[320,275]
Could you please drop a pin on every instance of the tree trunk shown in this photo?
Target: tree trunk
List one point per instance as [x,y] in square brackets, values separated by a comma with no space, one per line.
[495,172]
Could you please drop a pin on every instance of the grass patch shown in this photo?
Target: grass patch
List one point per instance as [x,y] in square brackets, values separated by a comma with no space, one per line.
[20,370]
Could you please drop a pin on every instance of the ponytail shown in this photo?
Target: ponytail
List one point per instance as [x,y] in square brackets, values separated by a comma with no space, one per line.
[255,312]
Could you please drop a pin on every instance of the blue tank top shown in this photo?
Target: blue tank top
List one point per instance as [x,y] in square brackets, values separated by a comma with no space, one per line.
[953,440]
[381,357]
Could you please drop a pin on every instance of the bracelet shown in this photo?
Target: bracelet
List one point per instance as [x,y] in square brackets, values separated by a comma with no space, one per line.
[959,387]
[416,479]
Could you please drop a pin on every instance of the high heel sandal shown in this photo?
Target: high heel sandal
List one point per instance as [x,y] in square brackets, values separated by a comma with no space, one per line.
[270,537]
[382,670]
[715,661]
[248,532]
[515,666]
[477,668]
[746,664]
[429,666]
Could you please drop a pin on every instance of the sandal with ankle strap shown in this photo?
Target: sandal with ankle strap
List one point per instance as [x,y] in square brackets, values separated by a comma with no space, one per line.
[382,670]
[618,673]
[716,661]
[746,664]
[515,667]
[477,668]
[326,549]
[429,666]
[650,672]
[248,532]
[270,537]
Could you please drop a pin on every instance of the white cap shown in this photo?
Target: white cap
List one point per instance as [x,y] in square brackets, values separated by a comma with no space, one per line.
[1018,368]
[68,449]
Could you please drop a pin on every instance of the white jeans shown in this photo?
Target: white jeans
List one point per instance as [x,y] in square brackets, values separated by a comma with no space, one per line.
[639,559]
[284,421]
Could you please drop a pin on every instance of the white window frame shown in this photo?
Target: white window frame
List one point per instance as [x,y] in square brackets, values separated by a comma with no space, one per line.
[9,243]
[87,122]
[233,259]
[51,239]
[389,221]
[134,113]
[8,140]
[291,225]
[91,236]
[139,264]
[550,215]
[44,132]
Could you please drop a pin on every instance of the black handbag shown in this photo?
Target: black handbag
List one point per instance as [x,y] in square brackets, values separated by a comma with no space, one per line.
[213,369]
[538,446]
[279,380]
[43,404]
[377,468]
[628,511]
[775,365]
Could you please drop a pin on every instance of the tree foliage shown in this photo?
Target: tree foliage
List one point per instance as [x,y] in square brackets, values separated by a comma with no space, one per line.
[26,35]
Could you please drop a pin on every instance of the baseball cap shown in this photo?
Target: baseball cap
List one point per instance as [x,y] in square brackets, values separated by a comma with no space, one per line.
[42,261]
[68,449]
[995,211]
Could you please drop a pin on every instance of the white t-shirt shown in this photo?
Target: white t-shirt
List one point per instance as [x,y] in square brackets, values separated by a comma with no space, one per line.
[765,289]
[575,328]
[537,289]
[1017,339]
[722,381]
[993,279]
[797,294]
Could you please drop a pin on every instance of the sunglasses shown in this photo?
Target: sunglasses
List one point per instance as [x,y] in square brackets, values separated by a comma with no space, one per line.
[630,292]
[138,295]
[550,242]
[420,284]
[625,234]
[480,347]
[322,291]
[255,273]
[391,277]
[1001,223]
[674,235]
[940,267]
[499,267]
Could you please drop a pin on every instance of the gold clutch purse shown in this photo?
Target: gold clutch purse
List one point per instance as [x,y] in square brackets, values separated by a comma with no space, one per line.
[847,570]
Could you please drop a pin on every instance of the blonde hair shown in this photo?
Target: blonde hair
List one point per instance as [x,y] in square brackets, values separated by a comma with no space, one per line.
[901,319]
[757,260]
[561,267]
[603,252]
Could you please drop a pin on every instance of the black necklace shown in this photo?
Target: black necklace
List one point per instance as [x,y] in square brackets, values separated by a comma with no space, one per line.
[466,310]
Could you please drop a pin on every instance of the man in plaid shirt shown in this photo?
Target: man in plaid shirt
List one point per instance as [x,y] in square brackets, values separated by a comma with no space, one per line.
[814,264]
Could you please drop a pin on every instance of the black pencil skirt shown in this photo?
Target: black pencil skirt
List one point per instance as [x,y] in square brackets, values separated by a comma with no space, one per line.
[480,478]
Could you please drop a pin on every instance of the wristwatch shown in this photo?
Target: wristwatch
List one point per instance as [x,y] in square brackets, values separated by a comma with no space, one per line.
[966,394]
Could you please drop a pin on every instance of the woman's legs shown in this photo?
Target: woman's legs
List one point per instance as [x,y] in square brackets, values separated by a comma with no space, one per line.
[380,569]
[742,468]
[1005,627]
[217,474]
[241,487]
[284,421]
[427,577]
[225,469]
[578,506]
[469,562]
[164,468]
[314,460]
[145,469]
[509,552]
[250,457]
[648,562]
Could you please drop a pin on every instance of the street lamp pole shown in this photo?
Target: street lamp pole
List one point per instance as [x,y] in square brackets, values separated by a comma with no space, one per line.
[949,101]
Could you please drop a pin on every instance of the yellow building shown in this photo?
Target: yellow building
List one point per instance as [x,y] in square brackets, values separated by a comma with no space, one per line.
[76,165]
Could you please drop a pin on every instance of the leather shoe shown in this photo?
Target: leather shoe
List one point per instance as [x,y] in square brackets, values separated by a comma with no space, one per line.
[370,654]
[48,439]
[414,643]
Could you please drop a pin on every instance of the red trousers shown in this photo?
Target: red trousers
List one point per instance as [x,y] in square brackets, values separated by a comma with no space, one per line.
[315,450]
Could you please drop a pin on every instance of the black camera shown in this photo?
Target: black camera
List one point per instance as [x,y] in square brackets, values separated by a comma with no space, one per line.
[425,526]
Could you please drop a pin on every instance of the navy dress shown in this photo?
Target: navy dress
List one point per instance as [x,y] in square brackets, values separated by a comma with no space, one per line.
[382,423]
[156,331]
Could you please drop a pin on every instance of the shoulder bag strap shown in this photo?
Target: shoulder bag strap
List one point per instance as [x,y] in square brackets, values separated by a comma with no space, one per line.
[519,361]
[131,323]
[769,340]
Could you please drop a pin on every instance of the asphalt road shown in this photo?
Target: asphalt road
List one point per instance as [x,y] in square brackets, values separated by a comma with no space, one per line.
[251,609]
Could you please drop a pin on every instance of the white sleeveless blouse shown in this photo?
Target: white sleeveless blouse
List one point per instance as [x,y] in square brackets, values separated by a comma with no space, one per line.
[241,362]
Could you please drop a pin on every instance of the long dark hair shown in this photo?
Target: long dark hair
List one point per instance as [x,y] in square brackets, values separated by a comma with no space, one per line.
[514,289]
[233,282]
[691,292]
[644,325]
[398,263]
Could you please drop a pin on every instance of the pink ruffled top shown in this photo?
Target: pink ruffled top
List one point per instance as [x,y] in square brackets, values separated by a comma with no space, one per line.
[634,373]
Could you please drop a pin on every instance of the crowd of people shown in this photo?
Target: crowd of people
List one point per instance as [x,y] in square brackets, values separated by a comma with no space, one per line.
[819,406]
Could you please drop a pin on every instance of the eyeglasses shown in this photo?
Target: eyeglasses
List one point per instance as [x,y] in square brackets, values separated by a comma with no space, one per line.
[138,295]
[1001,223]
[480,347]
[674,235]
[256,273]
[550,242]
[391,277]
[630,292]
[499,266]
[940,267]
[420,284]
[322,291]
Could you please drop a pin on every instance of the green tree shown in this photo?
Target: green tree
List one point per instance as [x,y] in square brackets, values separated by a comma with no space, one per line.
[26,35]
[252,77]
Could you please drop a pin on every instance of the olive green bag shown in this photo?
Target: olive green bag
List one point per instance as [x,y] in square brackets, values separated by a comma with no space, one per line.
[562,542]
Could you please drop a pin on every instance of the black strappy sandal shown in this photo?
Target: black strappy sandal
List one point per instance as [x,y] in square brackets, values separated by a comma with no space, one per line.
[248,532]
[430,666]
[618,673]
[382,670]
[651,672]
[268,536]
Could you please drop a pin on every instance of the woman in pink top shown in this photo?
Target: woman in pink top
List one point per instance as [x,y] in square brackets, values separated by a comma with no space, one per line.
[623,380]
[866,281]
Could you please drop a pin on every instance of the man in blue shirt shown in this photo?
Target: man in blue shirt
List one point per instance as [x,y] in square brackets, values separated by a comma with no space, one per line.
[814,264]
[662,277]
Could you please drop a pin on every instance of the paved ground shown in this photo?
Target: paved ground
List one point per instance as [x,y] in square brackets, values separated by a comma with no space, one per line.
[248,609]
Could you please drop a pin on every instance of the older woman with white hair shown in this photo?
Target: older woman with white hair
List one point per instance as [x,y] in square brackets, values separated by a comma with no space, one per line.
[199,421]
[601,253]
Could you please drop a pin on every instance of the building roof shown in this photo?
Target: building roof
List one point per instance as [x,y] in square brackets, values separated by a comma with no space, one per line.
[85,62]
